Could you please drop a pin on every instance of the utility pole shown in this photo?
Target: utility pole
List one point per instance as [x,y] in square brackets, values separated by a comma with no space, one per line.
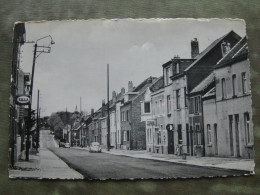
[108,114]
[29,121]
[38,130]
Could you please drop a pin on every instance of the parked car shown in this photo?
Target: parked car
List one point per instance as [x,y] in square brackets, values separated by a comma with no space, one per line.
[95,147]
[67,145]
[62,143]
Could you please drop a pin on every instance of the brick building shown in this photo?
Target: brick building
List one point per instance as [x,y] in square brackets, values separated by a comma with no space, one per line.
[133,130]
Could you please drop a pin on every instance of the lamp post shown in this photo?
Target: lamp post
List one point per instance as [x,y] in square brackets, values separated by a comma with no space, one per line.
[39,52]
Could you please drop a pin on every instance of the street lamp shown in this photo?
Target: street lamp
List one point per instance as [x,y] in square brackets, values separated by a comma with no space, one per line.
[35,56]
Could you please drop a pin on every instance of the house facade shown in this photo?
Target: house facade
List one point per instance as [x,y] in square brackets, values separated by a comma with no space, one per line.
[133,130]
[232,134]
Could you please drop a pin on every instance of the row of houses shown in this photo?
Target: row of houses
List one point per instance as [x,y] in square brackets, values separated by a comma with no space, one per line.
[199,106]
[18,113]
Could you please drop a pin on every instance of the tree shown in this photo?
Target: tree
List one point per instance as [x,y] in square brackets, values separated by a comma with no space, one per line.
[58,127]
[51,120]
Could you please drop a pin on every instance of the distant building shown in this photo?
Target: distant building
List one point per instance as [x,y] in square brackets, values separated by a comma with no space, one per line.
[153,112]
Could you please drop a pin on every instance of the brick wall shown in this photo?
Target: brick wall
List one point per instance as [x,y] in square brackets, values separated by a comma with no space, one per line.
[138,136]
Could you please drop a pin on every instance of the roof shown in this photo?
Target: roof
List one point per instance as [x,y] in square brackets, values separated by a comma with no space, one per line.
[157,85]
[208,49]
[141,86]
[210,93]
[204,84]
[240,49]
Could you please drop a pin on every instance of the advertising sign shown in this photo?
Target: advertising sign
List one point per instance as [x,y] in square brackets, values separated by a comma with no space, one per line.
[23,100]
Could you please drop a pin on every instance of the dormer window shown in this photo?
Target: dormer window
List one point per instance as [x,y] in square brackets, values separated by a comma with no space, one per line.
[167,76]
[225,47]
[147,108]
[177,68]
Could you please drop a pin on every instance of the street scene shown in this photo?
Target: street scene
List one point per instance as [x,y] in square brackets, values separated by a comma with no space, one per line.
[153,99]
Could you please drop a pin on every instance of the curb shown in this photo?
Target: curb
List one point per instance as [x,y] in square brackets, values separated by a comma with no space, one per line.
[245,172]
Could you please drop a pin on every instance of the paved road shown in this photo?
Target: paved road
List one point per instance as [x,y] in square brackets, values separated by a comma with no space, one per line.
[104,166]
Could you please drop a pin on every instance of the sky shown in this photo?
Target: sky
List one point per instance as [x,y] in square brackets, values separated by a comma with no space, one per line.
[134,49]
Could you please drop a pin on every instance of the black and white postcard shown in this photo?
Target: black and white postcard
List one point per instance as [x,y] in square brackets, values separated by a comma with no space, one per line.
[130,99]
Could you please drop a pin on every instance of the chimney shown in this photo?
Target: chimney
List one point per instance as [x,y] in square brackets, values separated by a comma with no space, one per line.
[114,96]
[194,48]
[176,57]
[103,108]
[103,103]
[130,86]
[92,111]
[122,91]
[225,48]
[149,80]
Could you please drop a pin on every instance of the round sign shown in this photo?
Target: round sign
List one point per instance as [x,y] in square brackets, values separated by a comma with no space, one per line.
[23,100]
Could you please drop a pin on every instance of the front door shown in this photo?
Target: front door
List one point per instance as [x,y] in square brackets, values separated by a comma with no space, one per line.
[237,135]
[216,138]
[170,142]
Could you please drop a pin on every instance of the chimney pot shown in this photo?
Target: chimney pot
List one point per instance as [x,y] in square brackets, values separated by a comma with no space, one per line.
[194,48]
[130,86]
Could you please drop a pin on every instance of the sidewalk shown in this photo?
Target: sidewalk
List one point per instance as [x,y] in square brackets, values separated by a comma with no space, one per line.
[44,165]
[213,162]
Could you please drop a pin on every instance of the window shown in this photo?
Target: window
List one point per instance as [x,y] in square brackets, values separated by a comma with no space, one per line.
[179,135]
[147,107]
[243,82]
[127,115]
[209,133]
[234,84]
[167,75]
[161,107]
[196,104]
[127,135]
[156,108]
[187,138]
[168,104]
[191,106]
[178,99]
[148,135]
[230,117]
[159,138]
[177,68]
[185,97]
[161,127]
[122,116]
[198,134]
[247,127]
[223,82]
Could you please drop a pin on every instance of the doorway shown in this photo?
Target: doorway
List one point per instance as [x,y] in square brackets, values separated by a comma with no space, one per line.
[170,142]
[237,135]
[216,138]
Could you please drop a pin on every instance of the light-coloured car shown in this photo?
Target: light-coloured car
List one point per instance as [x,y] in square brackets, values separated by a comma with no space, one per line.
[67,145]
[95,147]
